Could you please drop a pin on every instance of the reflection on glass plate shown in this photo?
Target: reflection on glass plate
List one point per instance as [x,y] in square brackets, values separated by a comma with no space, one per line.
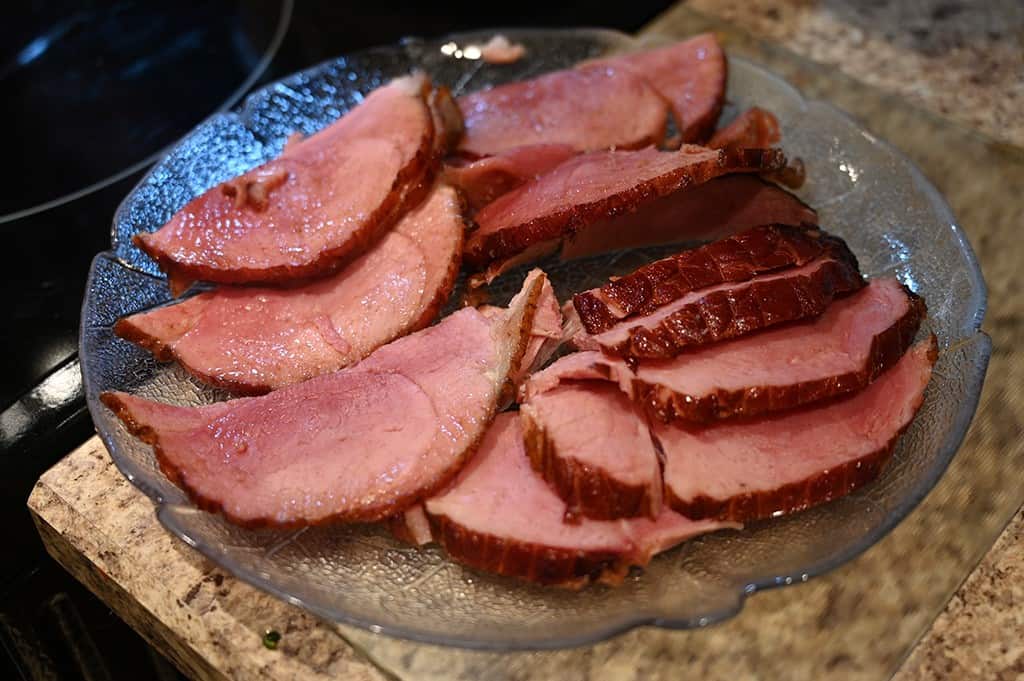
[865,191]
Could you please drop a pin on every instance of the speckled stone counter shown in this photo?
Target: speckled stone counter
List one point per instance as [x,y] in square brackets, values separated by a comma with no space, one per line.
[861,621]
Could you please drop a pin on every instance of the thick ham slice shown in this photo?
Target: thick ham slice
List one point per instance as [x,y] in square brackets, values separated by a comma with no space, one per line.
[484,180]
[692,75]
[734,259]
[252,340]
[591,187]
[771,466]
[499,516]
[358,444]
[840,352]
[588,108]
[589,442]
[322,201]
[755,127]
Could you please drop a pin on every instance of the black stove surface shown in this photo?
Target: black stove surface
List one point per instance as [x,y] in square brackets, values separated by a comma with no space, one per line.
[93,92]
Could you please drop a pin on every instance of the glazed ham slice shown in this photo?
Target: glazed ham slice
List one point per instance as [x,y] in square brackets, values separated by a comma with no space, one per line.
[591,187]
[499,516]
[755,127]
[840,352]
[588,441]
[768,467]
[484,180]
[322,201]
[588,108]
[252,340]
[358,444]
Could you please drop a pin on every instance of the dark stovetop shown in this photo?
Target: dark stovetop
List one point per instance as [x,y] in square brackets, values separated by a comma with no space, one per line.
[93,91]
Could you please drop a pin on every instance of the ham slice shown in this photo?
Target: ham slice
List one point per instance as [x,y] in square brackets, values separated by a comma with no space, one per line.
[734,259]
[591,187]
[594,448]
[588,108]
[252,340]
[486,179]
[840,352]
[755,127]
[358,444]
[322,201]
[691,75]
[730,310]
[499,516]
[768,467]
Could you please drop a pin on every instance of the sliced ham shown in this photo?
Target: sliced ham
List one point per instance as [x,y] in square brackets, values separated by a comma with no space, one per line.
[840,352]
[755,127]
[590,443]
[730,310]
[590,107]
[499,516]
[594,186]
[768,467]
[322,201]
[546,334]
[484,180]
[734,259]
[692,75]
[358,444]
[252,340]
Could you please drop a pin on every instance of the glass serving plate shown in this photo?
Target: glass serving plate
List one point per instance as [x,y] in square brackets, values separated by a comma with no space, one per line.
[864,190]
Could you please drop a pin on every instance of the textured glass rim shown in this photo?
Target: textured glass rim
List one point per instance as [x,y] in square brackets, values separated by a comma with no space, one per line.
[969,333]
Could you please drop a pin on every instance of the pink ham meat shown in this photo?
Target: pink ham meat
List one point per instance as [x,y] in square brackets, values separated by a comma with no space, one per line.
[768,467]
[252,340]
[499,516]
[322,201]
[486,179]
[842,351]
[755,127]
[588,108]
[358,444]
[691,75]
[591,187]
[593,447]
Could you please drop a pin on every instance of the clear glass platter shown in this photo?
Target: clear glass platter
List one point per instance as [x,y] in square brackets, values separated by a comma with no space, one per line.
[864,190]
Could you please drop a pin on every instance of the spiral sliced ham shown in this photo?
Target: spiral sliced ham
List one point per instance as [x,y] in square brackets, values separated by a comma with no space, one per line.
[358,444]
[592,187]
[485,179]
[322,201]
[499,516]
[771,466]
[252,340]
[591,107]
[755,127]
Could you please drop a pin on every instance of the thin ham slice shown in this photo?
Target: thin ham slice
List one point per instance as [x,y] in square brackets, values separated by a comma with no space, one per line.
[591,187]
[252,340]
[691,74]
[322,201]
[484,180]
[358,444]
[499,516]
[768,467]
[734,259]
[588,108]
[755,127]
[840,352]
[589,442]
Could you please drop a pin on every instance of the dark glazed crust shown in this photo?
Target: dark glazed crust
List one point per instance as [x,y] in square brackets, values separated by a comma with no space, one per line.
[886,349]
[481,250]
[588,491]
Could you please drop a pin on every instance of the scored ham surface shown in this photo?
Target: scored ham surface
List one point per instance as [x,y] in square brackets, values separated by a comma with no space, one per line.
[485,179]
[590,107]
[733,259]
[840,352]
[755,127]
[325,199]
[594,186]
[499,516]
[771,466]
[252,340]
[589,442]
[691,74]
[358,444]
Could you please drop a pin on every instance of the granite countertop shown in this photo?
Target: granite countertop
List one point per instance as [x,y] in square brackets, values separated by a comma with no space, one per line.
[860,621]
